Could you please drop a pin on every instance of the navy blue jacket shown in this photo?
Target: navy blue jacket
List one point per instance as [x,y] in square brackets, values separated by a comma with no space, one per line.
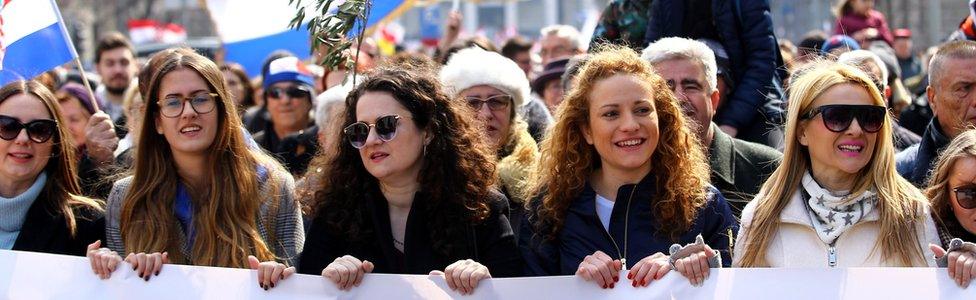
[915,162]
[583,234]
[745,28]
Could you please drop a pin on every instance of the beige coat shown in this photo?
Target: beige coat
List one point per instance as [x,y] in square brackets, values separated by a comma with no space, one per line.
[796,244]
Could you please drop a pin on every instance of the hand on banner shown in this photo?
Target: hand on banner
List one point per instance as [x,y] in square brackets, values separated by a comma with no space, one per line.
[600,268]
[269,272]
[347,271]
[961,264]
[147,264]
[650,268]
[103,260]
[695,266]
[464,275]
[101,139]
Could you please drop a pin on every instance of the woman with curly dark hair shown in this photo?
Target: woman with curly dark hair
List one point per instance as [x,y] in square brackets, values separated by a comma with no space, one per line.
[410,192]
[624,178]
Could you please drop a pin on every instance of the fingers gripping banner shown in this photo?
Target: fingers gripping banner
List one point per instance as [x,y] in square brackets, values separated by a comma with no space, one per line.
[25,275]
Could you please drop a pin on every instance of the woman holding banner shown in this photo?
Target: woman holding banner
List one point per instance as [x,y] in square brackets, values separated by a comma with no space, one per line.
[836,200]
[198,194]
[412,192]
[624,179]
[952,192]
[39,192]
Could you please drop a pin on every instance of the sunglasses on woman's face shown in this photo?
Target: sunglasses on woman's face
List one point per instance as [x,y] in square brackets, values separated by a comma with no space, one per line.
[38,131]
[358,133]
[966,196]
[838,117]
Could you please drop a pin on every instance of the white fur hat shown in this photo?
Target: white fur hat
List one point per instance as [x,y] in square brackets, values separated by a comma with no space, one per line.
[474,66]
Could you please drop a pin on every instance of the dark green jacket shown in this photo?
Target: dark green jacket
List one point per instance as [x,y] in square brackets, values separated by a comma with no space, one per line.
[739,168]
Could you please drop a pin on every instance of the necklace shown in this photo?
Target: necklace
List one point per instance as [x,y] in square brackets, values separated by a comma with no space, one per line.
[398,243]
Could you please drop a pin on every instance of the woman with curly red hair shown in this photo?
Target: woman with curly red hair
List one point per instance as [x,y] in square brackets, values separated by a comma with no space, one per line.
[624,179]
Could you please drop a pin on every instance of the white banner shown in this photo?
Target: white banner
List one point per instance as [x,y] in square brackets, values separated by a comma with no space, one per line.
[25,275]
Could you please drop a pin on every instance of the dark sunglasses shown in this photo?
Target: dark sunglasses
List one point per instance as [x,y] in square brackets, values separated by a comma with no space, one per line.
[838,117]
[38,131]
[966,196]
[358,133]
[297,91]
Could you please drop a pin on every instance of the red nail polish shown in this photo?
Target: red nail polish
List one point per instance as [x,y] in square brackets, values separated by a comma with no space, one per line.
[633,283]
[616,279]
[630,276]
[611,285]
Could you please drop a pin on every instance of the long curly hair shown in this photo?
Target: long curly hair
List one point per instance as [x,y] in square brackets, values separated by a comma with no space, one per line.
[900,203]
[457,173]
[225,215]
[567,160]
[62,190]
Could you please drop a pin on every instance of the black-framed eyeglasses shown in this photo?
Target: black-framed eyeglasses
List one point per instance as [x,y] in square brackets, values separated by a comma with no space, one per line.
[172,106]
[495,103]
[386,129]
[38,131]
[294,92]
[838,117]
[966,196]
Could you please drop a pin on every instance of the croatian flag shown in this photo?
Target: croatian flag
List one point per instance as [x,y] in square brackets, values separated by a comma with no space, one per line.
[253,29]
[32,39]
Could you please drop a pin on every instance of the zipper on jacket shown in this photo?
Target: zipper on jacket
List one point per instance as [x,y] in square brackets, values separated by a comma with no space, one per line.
[623,255]
[832,256]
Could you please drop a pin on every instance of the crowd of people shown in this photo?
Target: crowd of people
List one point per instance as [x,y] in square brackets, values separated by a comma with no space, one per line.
[691,128]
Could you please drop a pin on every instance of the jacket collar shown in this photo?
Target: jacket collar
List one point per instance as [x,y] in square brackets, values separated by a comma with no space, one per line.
[585,203]
[720,154]
[933,141]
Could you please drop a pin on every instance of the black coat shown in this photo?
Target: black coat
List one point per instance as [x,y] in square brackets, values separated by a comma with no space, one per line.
[739,168]
[44,231]
[490,243]
[633,228]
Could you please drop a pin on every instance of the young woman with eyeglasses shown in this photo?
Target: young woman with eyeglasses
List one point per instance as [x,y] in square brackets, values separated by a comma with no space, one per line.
[490,84]
[952,192]
[198,194]
[39,191]
[622,180]
[836,199]
[409,191]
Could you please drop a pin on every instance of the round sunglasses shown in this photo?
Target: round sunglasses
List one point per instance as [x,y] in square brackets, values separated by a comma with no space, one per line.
[386,129]
[38,131]
[838,117]
[966,196]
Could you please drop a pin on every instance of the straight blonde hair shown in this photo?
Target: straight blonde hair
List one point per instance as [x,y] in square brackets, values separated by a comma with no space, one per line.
[900,204]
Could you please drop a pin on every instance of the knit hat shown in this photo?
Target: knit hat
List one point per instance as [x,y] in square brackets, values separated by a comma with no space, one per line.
[838,41]
[80,93]
[474,66]
[287,69]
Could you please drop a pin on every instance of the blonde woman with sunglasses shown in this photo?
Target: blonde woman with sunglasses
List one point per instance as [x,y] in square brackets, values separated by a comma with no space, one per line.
[836,201]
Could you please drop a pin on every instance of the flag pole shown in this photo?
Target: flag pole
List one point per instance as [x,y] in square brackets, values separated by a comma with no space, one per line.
[74,52]
[84,79]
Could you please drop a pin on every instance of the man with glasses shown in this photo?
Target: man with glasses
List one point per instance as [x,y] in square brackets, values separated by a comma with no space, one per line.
[738,168]
[288,94]
[559,41]
[952,96]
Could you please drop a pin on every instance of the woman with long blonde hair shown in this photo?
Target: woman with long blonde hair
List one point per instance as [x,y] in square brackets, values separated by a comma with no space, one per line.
[622,178]
[836,199]
[198,194]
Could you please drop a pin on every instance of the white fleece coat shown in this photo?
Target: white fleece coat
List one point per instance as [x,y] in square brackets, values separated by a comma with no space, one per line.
[796,244]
